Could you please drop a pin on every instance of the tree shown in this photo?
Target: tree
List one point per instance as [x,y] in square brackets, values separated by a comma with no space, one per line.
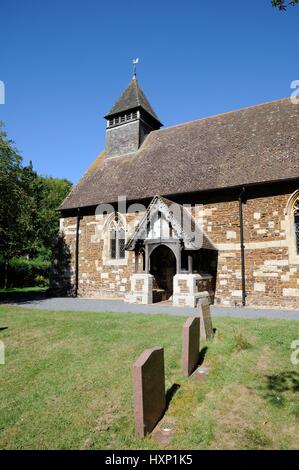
[282,4]
[29,219]
[52,191]
[29,181]
[44,196]
[13,202]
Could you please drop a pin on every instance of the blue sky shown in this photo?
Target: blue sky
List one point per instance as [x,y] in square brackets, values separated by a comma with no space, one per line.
[64,63]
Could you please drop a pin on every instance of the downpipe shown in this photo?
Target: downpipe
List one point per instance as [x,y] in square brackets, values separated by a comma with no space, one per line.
[242,246]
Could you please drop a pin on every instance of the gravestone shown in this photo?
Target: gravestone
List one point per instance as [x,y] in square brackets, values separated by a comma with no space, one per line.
[206,327]
[190,351]
[149,390]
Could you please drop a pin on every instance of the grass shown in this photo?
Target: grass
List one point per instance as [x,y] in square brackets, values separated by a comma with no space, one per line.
[14,290]
[67,382]
[15,294]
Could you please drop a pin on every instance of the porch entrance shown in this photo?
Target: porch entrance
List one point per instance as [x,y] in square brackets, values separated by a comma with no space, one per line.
[163,268]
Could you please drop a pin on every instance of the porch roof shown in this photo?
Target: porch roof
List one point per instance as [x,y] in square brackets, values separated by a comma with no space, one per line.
[183,224]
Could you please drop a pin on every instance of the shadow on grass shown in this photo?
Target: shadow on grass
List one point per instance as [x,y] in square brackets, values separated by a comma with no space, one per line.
[278,384]
[170,394]
[175,387]
[23,297]
[202,355]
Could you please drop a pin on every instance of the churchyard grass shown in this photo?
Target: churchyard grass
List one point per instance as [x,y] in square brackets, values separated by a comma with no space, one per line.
[14,290]
[67,382]
[22,293]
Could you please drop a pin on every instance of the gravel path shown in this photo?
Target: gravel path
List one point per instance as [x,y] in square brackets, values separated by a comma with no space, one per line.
[93,305]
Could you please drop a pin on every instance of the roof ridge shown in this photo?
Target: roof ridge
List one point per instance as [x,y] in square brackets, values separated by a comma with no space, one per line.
[137,90]
[213,116]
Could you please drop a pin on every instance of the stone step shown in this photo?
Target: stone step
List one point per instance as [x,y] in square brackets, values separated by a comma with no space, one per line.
[159,295]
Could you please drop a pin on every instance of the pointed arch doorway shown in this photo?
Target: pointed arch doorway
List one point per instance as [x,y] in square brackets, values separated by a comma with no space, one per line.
[163,268]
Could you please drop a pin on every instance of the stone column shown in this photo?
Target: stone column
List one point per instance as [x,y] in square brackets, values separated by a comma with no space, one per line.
[141,289]
[178,261]
[136,261]
[146,267]
[186,289]
[190,264]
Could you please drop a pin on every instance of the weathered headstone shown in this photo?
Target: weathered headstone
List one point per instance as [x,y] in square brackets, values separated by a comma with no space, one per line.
[149,390]
[206,327]
[190,351]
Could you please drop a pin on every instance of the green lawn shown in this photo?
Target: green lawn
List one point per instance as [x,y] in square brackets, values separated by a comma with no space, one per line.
[22,293]
[67,382]
[14,290]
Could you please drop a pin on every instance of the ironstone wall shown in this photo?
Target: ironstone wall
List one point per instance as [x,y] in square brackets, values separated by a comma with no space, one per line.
[272,279]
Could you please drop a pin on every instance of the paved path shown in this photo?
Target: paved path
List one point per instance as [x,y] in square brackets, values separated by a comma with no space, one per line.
[93,305]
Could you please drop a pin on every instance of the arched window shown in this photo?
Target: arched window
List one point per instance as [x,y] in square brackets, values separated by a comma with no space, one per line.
[117,239]
[296,224]
[292,227]
[121,241]
[112,234]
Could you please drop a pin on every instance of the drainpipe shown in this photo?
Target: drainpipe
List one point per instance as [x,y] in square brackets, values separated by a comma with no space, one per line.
[241,201]
[77,254]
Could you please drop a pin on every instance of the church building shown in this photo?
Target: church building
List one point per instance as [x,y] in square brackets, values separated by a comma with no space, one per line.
[204,208]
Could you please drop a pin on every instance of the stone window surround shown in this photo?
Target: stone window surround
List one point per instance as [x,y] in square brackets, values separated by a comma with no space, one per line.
[107,260]
[290,228]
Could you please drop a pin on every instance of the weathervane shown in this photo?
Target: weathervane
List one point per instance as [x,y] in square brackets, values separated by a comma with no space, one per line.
[135,62]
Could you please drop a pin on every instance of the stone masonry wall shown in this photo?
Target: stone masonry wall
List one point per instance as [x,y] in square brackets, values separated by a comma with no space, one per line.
[98,276]
[272,279]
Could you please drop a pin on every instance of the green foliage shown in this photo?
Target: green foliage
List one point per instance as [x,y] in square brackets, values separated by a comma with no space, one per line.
[23,272]
[46,194]
[53,192]
[29,219]
[282,4]
[14,201]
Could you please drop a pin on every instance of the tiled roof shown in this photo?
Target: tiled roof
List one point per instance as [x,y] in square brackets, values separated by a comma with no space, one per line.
[252,145]
[132,97]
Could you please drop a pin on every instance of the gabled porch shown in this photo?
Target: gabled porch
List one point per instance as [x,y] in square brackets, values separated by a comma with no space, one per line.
[174,258]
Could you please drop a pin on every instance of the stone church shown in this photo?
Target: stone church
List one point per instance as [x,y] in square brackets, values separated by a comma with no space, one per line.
[207,207]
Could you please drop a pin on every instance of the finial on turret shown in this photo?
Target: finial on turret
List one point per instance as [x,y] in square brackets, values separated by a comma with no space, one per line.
[135,62]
